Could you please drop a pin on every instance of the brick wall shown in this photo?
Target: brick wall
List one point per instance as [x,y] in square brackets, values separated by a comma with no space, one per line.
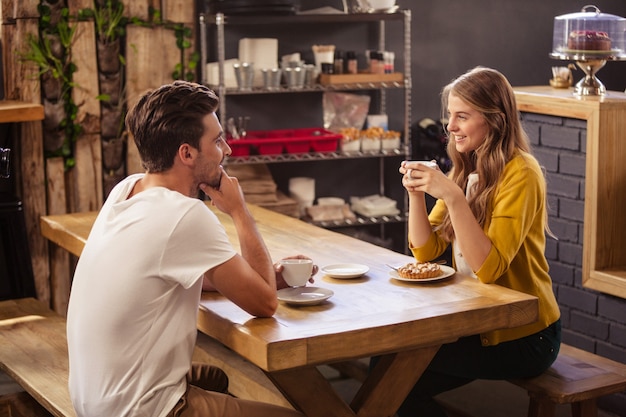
[591,320]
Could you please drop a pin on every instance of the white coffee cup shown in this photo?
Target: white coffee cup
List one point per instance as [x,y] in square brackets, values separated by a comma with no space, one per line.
[429,164]
[296,272]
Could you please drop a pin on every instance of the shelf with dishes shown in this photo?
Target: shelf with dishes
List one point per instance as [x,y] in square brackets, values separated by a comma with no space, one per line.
[289,145]
[249,62]
[302,18]
[359,221]
[312,156]
[316,88]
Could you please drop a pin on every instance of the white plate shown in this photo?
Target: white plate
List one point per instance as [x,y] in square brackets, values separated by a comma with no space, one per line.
[304,295]
[345,271]
[447,272]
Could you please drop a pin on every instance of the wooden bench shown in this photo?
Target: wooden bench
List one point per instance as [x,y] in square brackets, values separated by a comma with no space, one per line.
[245,380]
[576,377]
[33,352]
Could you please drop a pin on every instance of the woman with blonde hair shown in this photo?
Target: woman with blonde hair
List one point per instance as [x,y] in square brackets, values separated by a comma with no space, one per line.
[491,207]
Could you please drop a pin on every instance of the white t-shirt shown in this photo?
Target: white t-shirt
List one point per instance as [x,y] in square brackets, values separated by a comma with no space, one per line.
[131,324]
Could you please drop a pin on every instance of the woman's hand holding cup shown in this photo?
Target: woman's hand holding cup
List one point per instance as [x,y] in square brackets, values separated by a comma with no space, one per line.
[408,167]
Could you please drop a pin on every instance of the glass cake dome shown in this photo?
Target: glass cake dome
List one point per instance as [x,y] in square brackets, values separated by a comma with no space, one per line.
[590,38]
[589,34]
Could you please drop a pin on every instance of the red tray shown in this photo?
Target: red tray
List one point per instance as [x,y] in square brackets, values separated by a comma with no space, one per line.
[272,142]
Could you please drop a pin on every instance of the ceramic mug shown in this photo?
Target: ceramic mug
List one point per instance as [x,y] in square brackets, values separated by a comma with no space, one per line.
[429,164]
[296,272]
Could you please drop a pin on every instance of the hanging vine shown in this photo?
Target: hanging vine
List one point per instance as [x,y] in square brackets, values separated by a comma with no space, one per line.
[51,52]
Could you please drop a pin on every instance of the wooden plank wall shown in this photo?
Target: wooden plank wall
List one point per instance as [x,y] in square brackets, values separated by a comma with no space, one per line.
[44,185]
[19,19]
[145,69]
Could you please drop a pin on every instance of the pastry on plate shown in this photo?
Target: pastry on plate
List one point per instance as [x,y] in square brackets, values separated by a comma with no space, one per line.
[420,270]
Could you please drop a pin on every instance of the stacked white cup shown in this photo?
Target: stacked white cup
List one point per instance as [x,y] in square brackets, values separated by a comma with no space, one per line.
[302,189]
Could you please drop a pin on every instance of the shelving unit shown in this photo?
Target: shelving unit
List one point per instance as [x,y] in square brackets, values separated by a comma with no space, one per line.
[604,241]
[312,156]
[213,30]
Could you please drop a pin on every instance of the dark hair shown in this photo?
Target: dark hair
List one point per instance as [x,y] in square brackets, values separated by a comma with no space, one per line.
[165,118]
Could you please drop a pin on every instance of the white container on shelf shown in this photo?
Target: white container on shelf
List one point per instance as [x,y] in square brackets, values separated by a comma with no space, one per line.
[370,144]
[350,145]
[391,140]
[331,201]
[230,81]
[390,144]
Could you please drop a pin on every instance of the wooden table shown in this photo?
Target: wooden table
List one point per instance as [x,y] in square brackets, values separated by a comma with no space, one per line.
[403,322]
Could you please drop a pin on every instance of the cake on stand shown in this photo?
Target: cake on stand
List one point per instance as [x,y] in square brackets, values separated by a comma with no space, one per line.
[589,38]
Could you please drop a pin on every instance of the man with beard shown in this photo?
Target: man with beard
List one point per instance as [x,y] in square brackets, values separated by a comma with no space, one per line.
[154,247]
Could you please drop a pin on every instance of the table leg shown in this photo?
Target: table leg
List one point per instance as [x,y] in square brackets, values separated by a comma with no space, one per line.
[381,394]
[310,392]
[390,381]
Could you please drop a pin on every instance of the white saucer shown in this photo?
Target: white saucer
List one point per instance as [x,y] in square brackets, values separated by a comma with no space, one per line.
[304,295]
[345,271]
[447,272]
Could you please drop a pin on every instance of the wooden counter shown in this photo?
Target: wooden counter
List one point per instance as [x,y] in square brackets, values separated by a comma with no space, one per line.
[604,240]
[15,111]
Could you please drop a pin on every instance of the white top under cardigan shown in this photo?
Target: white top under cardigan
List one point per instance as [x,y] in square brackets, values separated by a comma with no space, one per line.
[460,263]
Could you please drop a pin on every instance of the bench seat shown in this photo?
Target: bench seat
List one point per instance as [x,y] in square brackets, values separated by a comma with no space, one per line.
[33,352]
[577,377]
[245,380]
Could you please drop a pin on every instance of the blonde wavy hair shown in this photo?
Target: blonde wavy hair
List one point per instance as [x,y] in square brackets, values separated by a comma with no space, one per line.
[488,92]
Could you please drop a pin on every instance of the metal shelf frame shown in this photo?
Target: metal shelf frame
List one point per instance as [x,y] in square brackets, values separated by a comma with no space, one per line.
[220,20]
[311,156]
[360,221]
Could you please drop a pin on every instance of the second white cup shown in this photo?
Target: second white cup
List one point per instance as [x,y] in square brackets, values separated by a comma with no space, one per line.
[297,272]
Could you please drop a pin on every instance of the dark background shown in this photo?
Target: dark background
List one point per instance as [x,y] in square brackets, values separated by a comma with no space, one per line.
[512,36]
[447,37]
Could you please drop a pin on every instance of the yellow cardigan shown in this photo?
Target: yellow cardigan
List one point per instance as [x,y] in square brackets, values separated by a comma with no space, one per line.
[516,228]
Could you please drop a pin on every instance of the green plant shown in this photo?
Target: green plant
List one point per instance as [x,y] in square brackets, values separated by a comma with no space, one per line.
[40,53]
[109,20]
[183,35]
[57,64]
[110,24]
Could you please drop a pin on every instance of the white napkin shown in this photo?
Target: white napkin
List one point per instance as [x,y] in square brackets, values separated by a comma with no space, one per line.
[212,70]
